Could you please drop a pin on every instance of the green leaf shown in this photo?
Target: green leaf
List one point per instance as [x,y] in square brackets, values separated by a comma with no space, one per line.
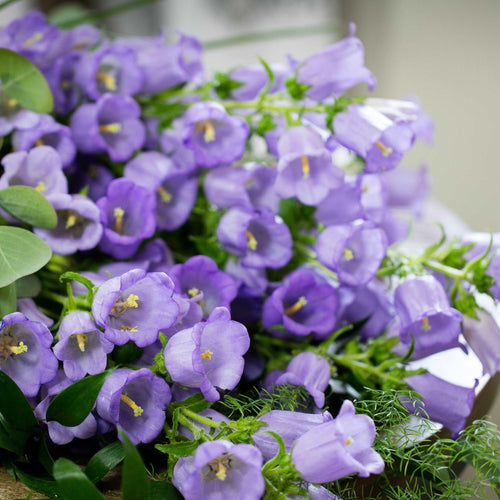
[71,406]
[466,304]
[163,490]
[21,253]
[73,483]
[135,485]
[8,302]
[104,461]
[296,90]
[14,406]
[27,204]
[265,124]
[125,354]
[23,82]
[182,449]
[41,484]
[224,85]
[28,286]
[72,276]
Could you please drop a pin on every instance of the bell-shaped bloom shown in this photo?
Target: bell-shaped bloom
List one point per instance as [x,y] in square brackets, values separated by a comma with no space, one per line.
[110,69]
[135,306]
[424,311]
[39,168]
[341,205]
[13,116]
[483,337]
[442,402]
[170,142]
[353,251]
[127,214]
[199,278]
[28,307]
[304,304]
[259,238]
[336,449]
[248,186]
[215,137]
[25,352]
[78,225]
[373,197]
[209,355]
[81,346]
[220,469]
[175,190]
[305,167]
[370,134]
[61,434]
[111,125]
[47,132]
[253,79]
[290,425]
[309,371]
[335,69]
[136,401]
[88,174]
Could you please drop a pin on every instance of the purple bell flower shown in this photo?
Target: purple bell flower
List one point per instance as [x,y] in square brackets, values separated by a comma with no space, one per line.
[199,279]
[305,167]
[175,190]
[310,371]
[254,79]
[88,174]
[290,425]
[39,168]
[136,401]
[425,312]
[81,346]
[171,144]
[336,68]
[135,306]
[373,136]
[208,355]
[127,214]
[78,226]
[304,304]
[353,251]
[111,125]
[259,238]
[220,469]
[338,448]
[47,132]
[215,137]
[13,117]
[60,434]
[28,307]
[25,351]
[341,205]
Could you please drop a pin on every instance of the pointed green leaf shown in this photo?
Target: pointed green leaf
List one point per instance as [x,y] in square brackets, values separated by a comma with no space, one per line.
[73,483]
[21,253]
[27,204]
[135,484]
[71,406]
[163,490]
[8,303]
[104,460]
[23,82]
[41,484]
[14,406]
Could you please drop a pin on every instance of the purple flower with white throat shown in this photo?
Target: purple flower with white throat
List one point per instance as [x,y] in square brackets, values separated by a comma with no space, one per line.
[338,448]
[81,346]
[379,140]
[305,167]
[25,352]
[304,304]
[353,251]
[78,225]
[199,279]
[209,355]
[135,306]
[336,68]
[259,238]
[127,214]
[13,116]
[136,401]
[215,137]
[47,132]
[425,313]
[111,125]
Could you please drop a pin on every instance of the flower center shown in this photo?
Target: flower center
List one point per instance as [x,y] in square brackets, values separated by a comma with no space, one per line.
[110,128]
[296,307]
[39,142]
[425,324]
[138,411]
[70,221]
[348,441]
[165,196]
[9,345]
[252,241]
[217,468]
[386,151]
[193,292]
[122,305]
[207,354]
[35,38]
[348,254]
[108,81]
[81,339]
[207,128]
[305,166]
[40,187]
[119,213]
[125,328]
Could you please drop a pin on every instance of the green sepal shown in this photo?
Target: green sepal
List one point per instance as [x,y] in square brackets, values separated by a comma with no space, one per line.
[296,90]
[224,85]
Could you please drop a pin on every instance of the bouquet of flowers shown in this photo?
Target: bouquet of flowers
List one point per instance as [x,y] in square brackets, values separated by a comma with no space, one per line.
[206,278]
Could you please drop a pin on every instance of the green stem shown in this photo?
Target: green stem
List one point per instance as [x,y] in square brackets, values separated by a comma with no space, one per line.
[446,270]
[272,107]
[191,426]
[201,419]
[349,362]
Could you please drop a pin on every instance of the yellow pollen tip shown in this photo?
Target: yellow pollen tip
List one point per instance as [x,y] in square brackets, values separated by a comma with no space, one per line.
[119,213]
[209,134]
[385,150]
[20,348]
[11,103]
[131,301]
[65,84]
[249,182]
[125,328]
[425,324]
[108,80]
[40,187]
[252,241]
[71,221]
[193,292]
[82,339]
[222,472]
[348,254]
[164,194]
[111,128]
[348,441]
[297,306]
[206,355]
[35,38]
[39,142]
[305,166]
[138,411]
